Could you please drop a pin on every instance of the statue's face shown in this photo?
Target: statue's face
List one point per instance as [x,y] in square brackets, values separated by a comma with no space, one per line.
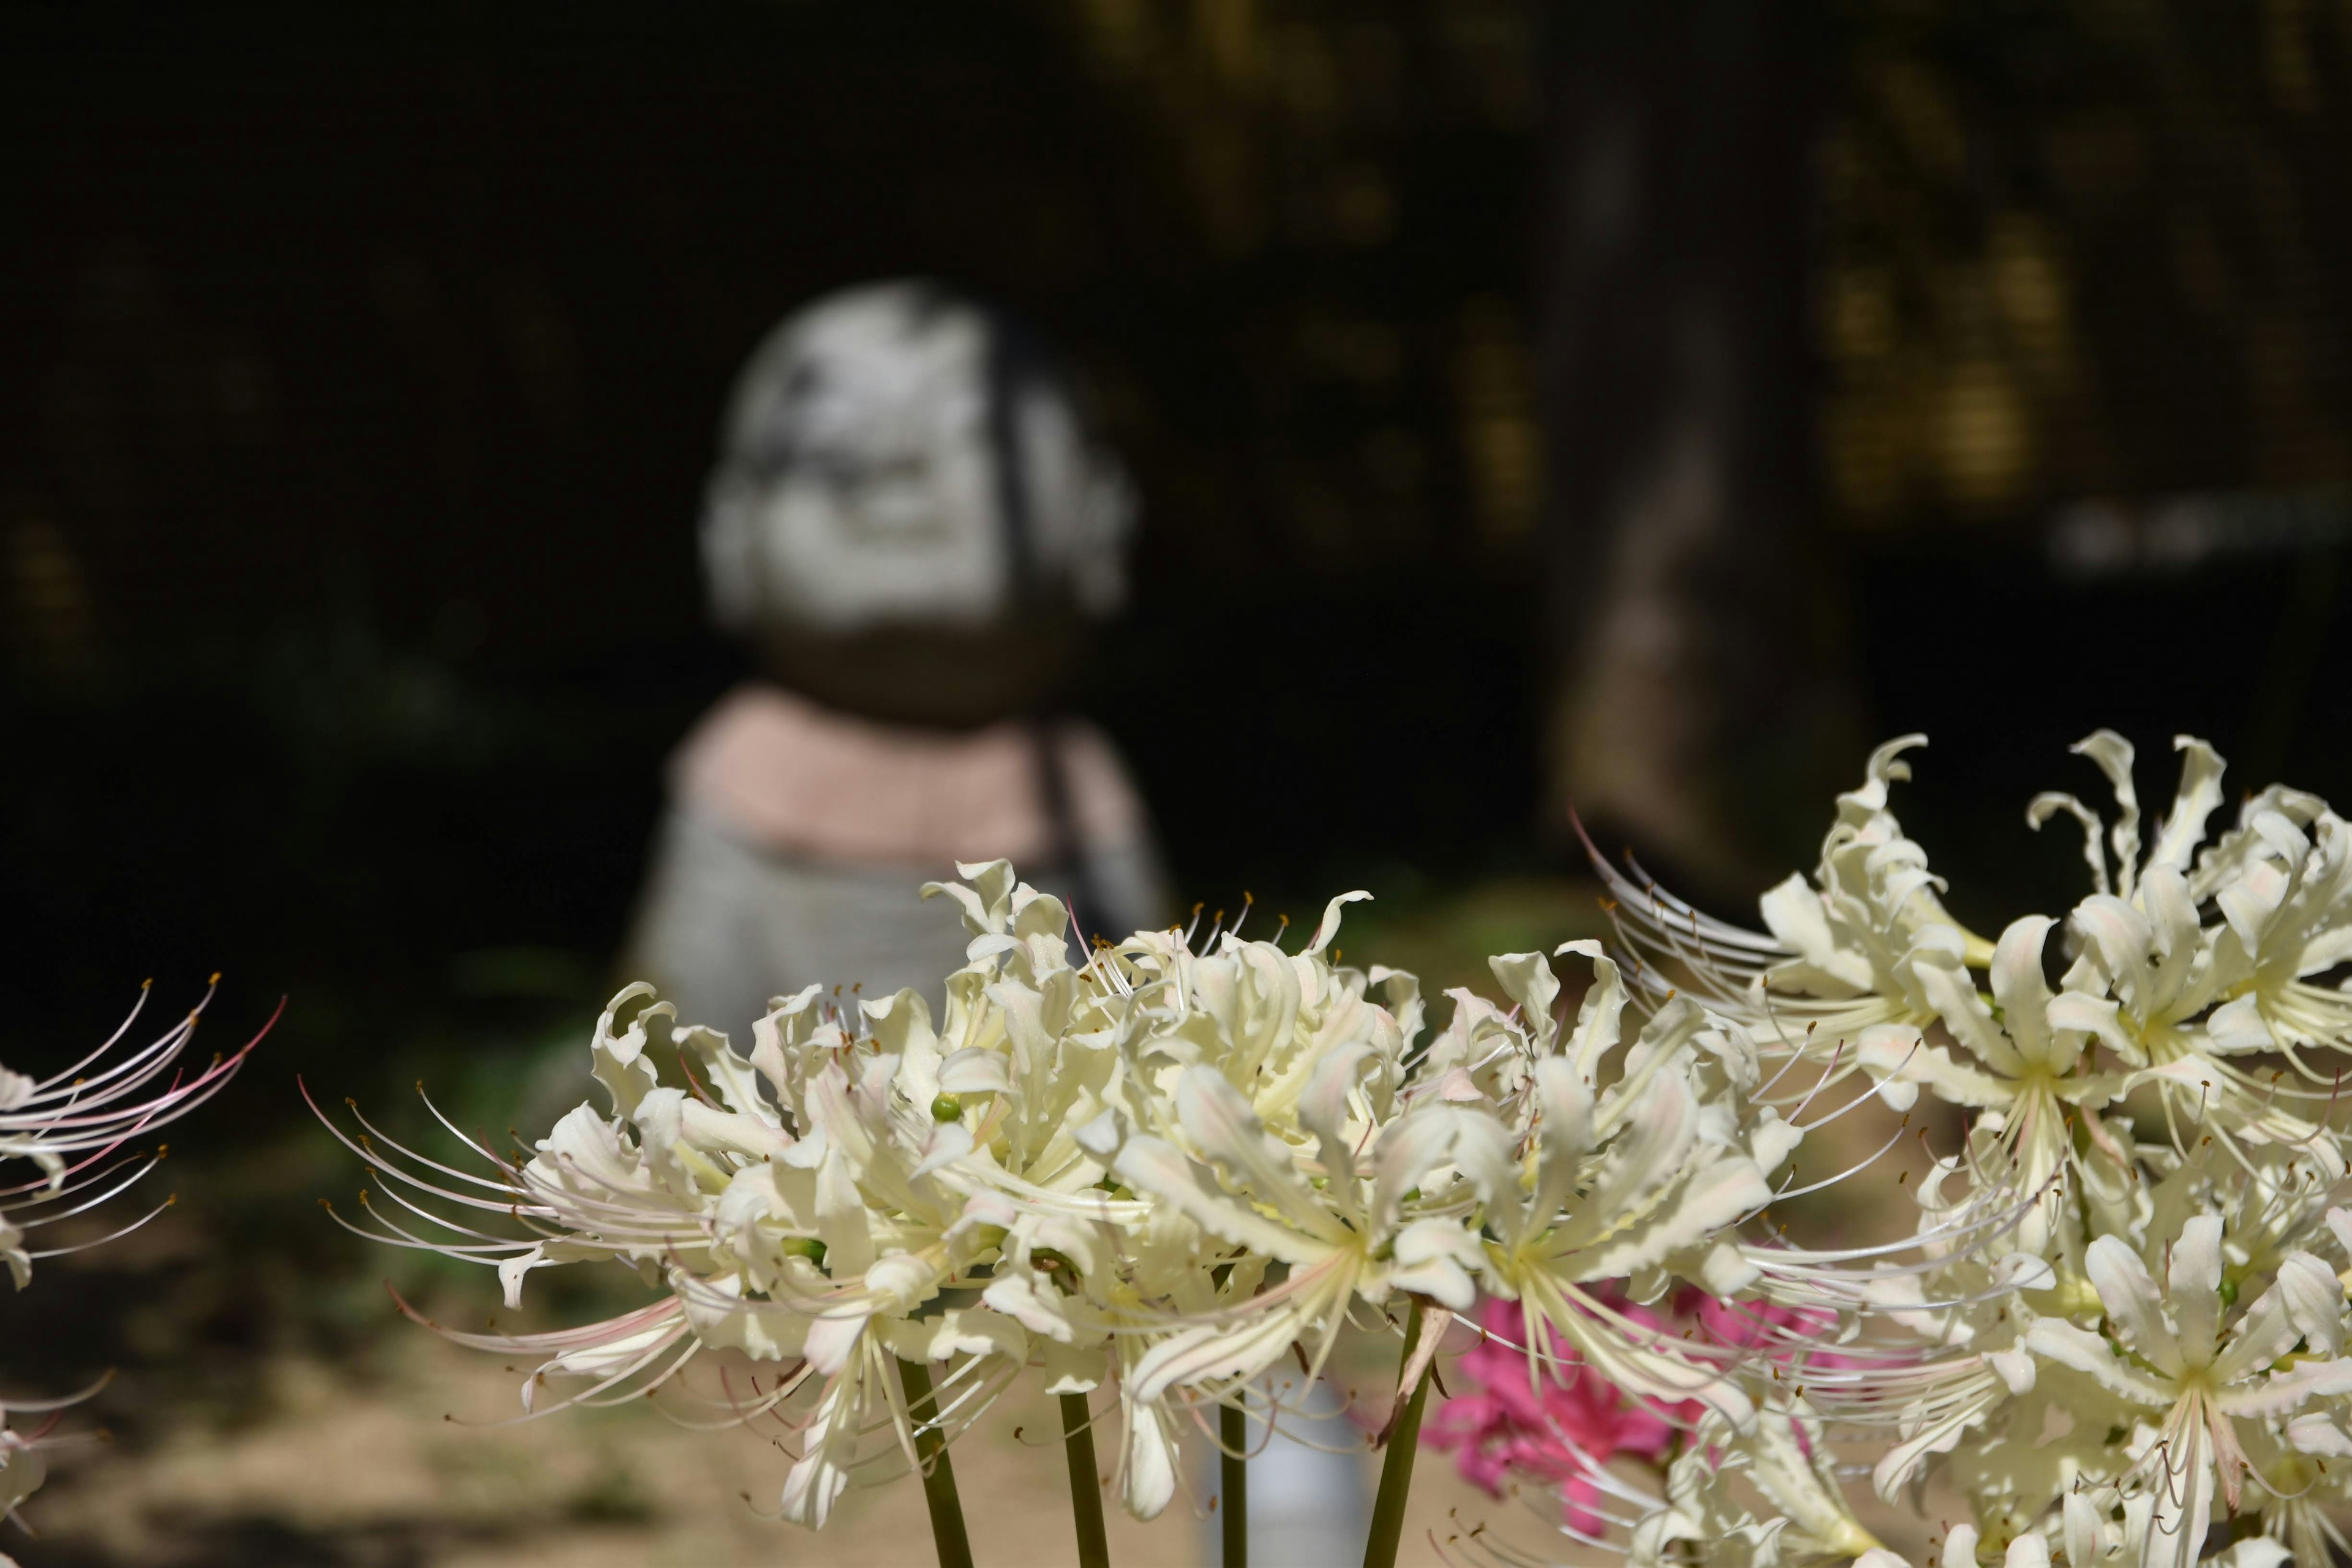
[862,473]
[856,529]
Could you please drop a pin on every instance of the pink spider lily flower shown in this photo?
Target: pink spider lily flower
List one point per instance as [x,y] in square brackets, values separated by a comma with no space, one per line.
[1559,1423]
[1552,1431]
[74,1123]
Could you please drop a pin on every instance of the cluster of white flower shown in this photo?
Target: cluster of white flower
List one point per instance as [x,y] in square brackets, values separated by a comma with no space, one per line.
[2122,1301]
[1150,1173]
[1156,1173]
[72,1127]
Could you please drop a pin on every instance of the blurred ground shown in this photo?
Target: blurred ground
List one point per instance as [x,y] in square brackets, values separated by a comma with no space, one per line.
[357,1464]
[357,1468]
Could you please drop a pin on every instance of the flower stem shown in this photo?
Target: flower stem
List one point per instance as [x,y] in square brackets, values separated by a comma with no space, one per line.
[1396,1469]
[938,1475]
[1086,1487]
[1233,1482]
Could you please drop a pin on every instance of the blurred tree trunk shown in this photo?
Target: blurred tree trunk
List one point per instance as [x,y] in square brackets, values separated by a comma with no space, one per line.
[1687,707]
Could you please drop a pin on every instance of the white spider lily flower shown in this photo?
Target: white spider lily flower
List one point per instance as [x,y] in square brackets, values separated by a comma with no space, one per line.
[1257,1087]
[1788,1460]
[1784,1457]
[1617,1184]
[1240,1185]
[2287,916]
[805,1254]
[2203,1377]
[2028,1066]
[1649,1179]
[2151,954]
[1340,1224]
[2178,837]
[2183,1005]
[2189,994]
[2272,1200]
[2304,1490]
[24,1463]
[1839,954]
[1960,1366]
[72,1127]
[22,1471]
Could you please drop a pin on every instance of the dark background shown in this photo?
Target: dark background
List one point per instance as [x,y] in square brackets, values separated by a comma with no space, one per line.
[363,365]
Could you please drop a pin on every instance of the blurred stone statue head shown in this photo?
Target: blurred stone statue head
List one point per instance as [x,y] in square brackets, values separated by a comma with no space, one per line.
[909,518]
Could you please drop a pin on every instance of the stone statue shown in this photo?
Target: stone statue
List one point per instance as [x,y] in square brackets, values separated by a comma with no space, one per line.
[913,529]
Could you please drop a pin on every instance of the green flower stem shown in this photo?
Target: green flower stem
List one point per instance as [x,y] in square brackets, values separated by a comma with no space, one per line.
[938,1475]
[1086,1487]
[1396,1469]
[1233,1482]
